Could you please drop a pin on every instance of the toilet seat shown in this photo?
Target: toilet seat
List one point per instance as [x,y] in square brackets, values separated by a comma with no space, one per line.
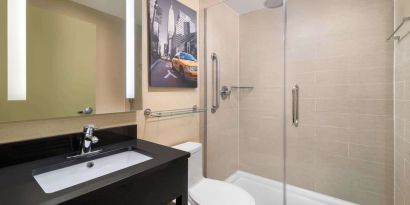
[214,192]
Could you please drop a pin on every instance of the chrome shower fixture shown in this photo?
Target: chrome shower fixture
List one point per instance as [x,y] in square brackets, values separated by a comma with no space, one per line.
[273,3]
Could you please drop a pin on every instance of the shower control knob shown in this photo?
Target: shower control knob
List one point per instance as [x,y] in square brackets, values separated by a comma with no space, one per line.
[225,92]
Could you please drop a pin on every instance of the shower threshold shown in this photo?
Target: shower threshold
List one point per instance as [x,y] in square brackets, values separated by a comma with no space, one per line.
[269,192]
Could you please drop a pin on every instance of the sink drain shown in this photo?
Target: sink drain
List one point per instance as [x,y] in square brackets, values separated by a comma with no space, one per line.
[90,164]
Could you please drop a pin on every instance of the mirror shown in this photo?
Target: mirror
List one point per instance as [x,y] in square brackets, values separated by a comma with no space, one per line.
[69,58]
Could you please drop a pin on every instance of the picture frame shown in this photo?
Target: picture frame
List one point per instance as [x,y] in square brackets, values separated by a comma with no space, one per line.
[173,44]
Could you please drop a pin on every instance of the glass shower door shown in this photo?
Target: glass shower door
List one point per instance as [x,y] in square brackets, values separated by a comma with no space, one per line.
[261,109]
[244,132]
[221,56]
[339,99]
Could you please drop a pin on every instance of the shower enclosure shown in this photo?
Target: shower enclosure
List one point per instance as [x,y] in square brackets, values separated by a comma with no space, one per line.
[307,99]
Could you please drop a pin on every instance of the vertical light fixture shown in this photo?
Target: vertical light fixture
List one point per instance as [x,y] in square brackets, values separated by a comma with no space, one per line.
[16,49]
[130,49]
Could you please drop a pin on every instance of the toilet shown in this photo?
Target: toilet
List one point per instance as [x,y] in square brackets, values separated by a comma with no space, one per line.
[205,191]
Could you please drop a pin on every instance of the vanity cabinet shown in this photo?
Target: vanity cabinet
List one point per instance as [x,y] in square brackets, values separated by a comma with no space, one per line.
[157,181]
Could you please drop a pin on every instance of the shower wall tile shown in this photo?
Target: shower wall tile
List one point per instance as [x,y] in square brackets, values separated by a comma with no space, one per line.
[329,163]
[332,188]
[375,91]
[373,185]
[371,154]
[373,138]
[366,197]
[331,119]
[370,169]
[332,148]
[298,176]
[371,122]
[371,107]
[399,199]
[304,132]
[331,91]
[332,134]
[402,109]
[402,184]
[340,58]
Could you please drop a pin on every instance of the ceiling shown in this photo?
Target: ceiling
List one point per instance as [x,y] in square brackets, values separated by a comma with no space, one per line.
[112,7]
[245,6]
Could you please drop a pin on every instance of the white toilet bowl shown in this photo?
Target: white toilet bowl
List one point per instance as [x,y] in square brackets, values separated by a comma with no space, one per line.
[205,191]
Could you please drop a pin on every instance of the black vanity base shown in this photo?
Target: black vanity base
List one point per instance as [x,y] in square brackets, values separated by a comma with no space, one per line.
[156,187]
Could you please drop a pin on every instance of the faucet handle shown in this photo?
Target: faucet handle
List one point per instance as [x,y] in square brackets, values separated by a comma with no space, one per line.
[94,139]
[91,126]
[88,126]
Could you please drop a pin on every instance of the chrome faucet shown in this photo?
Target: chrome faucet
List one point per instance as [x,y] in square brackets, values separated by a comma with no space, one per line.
[88,139]
[85,143]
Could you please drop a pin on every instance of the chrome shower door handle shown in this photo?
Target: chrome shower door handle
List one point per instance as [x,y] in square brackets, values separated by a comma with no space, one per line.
[295,106]
[215,82]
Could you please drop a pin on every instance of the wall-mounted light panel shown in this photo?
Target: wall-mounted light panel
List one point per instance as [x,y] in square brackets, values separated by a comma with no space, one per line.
[16,50]
[130,49]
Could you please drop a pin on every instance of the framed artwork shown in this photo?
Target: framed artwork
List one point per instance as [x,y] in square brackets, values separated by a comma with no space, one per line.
[172,44]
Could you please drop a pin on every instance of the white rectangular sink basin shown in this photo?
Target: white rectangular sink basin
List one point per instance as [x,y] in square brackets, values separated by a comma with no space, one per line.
[66,177]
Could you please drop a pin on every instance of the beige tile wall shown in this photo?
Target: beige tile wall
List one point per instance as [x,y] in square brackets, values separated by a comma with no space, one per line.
[222,134]
[338,54]
[402,105]
[203,4]
[20,131]
[261,109]
[174,130]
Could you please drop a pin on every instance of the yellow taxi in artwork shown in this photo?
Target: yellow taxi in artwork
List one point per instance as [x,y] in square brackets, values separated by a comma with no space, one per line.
[186,65]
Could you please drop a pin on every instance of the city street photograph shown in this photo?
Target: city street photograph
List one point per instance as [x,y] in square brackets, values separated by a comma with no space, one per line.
[173,44]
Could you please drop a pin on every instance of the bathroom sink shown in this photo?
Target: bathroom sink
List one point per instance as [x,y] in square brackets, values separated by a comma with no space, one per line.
[78,171]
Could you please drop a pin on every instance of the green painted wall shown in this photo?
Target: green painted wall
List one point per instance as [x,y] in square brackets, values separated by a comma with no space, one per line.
[61,66]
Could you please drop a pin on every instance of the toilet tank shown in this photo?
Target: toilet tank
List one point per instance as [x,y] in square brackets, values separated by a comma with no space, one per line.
[194,162]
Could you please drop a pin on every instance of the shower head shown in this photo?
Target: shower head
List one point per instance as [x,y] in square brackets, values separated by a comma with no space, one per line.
[273,3]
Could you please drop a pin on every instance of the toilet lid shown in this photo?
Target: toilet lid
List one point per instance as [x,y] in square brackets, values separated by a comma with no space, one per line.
[213,192]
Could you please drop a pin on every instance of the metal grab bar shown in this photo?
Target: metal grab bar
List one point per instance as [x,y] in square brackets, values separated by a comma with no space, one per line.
[169,113]
[215,82]
[398,28]
[242,87]
[295,106]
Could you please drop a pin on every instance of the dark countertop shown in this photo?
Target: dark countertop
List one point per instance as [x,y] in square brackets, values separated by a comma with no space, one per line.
[18,186]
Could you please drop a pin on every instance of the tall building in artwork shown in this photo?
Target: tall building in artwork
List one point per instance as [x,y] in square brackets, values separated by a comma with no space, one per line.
[171,28]
[155,30]
[184,39]
[181,32]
